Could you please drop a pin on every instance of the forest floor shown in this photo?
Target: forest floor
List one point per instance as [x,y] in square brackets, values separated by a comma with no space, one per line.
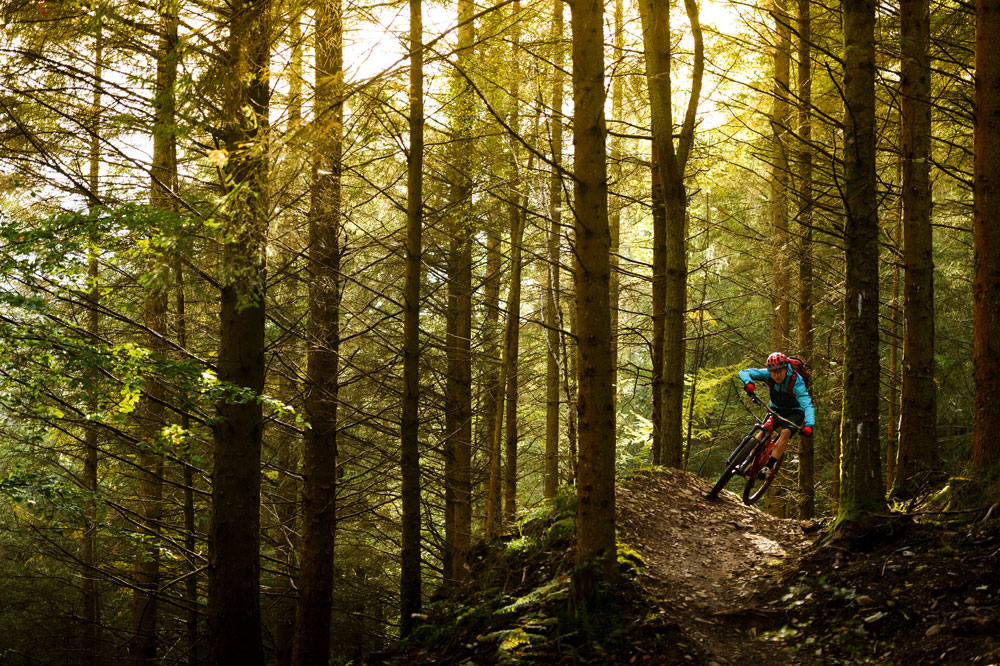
[750,588]
[724,584]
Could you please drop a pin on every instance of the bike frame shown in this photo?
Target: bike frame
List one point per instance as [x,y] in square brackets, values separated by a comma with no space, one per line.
[748,462]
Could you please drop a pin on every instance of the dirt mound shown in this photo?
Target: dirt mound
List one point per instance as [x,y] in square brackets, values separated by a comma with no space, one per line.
[707,559]
[724,584]
[748,588]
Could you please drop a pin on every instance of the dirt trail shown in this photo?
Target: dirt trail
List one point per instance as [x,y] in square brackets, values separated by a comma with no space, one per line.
[706,559]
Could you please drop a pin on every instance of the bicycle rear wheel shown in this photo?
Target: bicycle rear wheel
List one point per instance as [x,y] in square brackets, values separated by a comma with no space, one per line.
[736,461]
[749,494]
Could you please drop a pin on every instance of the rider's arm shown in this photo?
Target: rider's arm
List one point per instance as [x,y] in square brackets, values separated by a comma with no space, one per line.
[753,375]
[805,401]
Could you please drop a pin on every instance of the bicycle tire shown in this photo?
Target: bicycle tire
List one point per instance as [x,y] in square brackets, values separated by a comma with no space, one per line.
[737,459]
[750,496]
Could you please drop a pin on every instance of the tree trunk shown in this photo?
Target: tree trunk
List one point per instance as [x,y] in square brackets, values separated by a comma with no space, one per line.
[671,163]
[894,337]
[615,205]
[501,486]
[861,489]
[288,488]
[319,451]
[513,346]
[570,365]
[458,446]
[516,217]
[491,379]
[659,300]
[781,279]
[234,629]
[596,552]
[191,619]
[986,285]
[151,409]
[807,457]
[895,312]
[777,499]
[917,452]
[410,584]
[552,266]
[89,592]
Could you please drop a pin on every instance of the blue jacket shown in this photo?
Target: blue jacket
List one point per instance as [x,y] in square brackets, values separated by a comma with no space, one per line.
[781,397]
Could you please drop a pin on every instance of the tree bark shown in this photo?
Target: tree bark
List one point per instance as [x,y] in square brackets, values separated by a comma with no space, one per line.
[491,380]
[777,499]
[458,446]
[516,217]
[616,204]
[410,582]
[781,277]
[807,457]
[894,339]
[319,452]
[151,409]
[552,368]
[596,550]
[512,340]
[861,490]
[288,489]
[986,284]
[89,592]
[917,453]
[234,629]
[191,619]
[659,301]
[671,162]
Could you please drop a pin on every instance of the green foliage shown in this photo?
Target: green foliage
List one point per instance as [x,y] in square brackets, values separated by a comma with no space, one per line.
[630,561]
[48,500]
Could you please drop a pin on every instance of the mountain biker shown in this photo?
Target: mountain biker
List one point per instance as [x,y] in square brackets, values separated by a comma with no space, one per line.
[789,399]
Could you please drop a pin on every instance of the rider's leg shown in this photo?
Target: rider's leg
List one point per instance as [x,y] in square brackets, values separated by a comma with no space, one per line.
[781,444]
[766,430]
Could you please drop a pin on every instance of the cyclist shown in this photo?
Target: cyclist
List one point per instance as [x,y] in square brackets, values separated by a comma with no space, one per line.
[789,399]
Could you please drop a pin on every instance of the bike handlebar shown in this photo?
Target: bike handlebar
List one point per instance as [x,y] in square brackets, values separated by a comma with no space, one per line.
[760,403]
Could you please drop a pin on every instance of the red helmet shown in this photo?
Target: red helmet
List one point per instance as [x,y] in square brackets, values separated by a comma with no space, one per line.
[776,360]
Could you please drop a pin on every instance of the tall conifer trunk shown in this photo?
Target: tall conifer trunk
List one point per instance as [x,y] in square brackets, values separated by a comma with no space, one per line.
[780,255]
[986,234]
[671,161]
[917,452]
[615,205]
[511,353]
[410,584]
[596,480]
[491,380]
[659,300]
[516,217]
[861,489]
[192,615]
[554,233]
[234,630]
[458,446]
[91,603]
[319,453]
[804,182]
[151,410]
[288,490]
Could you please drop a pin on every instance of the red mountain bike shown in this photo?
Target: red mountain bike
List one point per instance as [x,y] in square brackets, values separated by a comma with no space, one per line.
[750,457]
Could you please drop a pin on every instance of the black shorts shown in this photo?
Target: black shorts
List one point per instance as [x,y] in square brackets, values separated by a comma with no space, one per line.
[796,416]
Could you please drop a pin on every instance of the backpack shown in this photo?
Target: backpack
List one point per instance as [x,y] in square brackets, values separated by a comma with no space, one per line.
[799,369]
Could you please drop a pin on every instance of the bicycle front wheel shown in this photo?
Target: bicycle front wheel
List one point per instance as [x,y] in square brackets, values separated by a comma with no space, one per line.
[750,494]
[735,462]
